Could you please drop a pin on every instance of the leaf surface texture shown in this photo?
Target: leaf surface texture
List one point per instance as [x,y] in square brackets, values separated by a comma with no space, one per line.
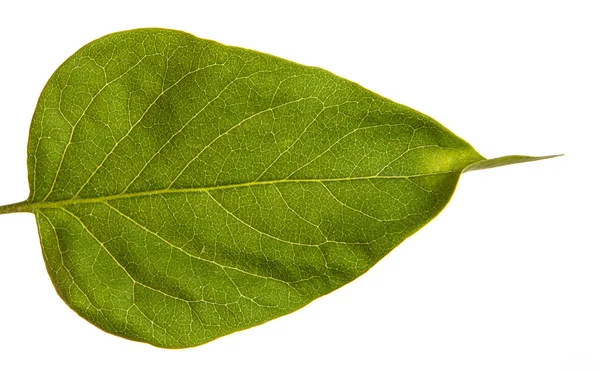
[184,189]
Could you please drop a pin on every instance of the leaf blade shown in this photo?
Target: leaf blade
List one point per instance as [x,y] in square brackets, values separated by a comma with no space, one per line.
[185,190]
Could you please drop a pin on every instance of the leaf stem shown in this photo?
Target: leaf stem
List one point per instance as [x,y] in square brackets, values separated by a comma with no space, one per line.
[15,207]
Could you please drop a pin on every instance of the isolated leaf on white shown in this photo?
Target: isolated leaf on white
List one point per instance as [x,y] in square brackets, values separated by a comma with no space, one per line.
[185,190]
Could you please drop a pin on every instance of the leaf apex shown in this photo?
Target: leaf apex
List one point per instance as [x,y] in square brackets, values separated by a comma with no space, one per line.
[505,161]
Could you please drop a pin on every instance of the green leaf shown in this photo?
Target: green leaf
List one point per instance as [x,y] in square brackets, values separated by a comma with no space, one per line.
[185,190]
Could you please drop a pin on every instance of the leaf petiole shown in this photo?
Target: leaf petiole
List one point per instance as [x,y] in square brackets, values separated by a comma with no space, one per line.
[15,207]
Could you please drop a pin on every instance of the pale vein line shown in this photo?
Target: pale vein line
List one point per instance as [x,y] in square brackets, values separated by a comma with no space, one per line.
[292,145]
[139,121]
[153,323]
[401,202]
[62,262]
[297,214]
[34,154]
[422,188]
[175,134]
[136,282]
[119,263]
[257,230]
[92,100]
[307,221]
[408,150]
[285,80]
[81,201]
[245,296]
[340,140]
[84,294]
[99,309]
[355,209]
[231,129]
[188,253]
[183,127]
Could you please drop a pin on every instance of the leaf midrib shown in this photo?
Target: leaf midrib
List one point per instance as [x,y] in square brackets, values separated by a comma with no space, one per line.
[31,206]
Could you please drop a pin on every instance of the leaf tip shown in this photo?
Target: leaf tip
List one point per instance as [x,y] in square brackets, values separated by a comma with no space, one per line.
[505,161]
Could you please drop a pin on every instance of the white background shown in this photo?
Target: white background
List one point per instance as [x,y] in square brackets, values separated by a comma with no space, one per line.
[506,279]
